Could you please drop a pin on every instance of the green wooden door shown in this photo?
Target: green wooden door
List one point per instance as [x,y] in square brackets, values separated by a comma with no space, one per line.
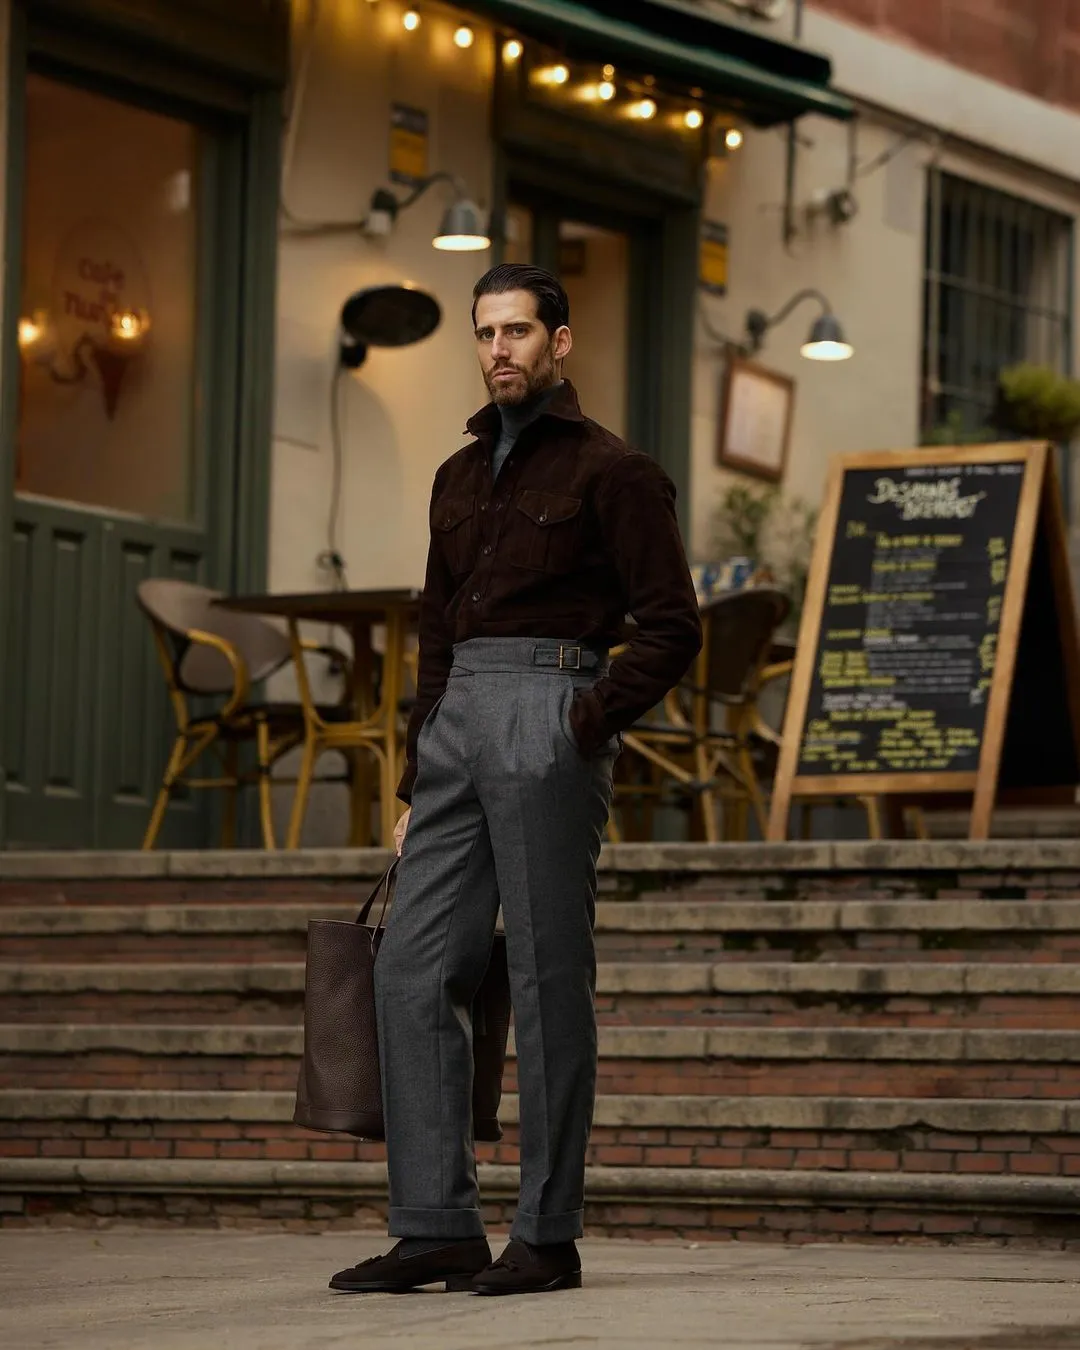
[130,293]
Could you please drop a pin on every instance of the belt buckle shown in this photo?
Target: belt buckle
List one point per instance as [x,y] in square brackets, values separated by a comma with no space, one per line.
[565,652]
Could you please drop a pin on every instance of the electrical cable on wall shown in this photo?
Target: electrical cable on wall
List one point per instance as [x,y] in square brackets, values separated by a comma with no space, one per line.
[331,559]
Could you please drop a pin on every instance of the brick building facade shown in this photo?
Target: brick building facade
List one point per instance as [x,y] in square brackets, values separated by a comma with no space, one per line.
[1034,47]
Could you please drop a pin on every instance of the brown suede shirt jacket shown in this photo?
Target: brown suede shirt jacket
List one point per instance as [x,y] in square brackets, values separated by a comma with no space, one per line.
[576,532]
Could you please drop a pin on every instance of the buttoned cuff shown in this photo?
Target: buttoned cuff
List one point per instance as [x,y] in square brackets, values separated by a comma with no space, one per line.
[588,723]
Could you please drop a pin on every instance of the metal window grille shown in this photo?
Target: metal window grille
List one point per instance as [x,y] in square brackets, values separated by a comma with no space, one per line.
[998,291]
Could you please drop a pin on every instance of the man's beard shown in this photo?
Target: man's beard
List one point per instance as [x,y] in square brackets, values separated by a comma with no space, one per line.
[532,382]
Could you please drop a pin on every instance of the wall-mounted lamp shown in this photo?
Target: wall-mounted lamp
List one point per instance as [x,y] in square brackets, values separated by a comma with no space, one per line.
[385,316]
[826,340]
[462,229]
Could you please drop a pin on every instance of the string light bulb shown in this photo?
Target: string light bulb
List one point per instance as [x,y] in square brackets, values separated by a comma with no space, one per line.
[694,119]
[513,50]
[644,110]
[551,75]
[464,37]
[734,138]
[605,91]
[410,20]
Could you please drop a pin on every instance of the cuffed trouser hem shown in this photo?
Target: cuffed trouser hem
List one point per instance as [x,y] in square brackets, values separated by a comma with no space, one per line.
[541,1229]
[436,1223]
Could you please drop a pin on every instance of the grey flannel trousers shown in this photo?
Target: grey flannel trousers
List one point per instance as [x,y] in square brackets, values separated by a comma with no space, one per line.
[505,810]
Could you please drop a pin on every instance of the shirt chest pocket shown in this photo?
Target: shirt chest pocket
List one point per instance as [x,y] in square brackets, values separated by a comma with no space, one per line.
[544,530]
[453,526]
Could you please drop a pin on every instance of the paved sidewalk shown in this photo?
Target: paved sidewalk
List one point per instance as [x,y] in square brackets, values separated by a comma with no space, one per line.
[157,1290]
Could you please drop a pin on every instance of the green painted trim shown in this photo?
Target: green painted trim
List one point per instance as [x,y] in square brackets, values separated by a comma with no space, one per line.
[10,360]
[258,321]
[702,58]
[678,315]
[245,39]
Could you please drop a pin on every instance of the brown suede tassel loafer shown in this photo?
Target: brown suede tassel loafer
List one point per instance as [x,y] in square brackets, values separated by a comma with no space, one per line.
[524,1269]
[454,1264]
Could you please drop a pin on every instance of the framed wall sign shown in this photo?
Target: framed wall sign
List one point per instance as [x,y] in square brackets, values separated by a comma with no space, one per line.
[755,425]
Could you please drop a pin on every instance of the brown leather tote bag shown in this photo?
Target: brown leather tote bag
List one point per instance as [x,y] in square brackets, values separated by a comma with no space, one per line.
[339,1088]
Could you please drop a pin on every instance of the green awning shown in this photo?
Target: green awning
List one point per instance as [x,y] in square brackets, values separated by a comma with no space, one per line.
[767,81]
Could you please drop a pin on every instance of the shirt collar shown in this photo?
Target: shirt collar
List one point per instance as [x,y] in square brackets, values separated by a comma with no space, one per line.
[564,404]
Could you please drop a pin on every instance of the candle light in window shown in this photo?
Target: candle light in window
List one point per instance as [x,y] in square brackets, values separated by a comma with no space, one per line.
[605,91]
[410,20]
[128,328]
[644,109]
[694,119]
[37,336]
[512,51]
[609,72]
[464,37]
[734,139]
[30,333]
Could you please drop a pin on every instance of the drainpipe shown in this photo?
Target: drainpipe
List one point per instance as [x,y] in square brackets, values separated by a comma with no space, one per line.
[790,228]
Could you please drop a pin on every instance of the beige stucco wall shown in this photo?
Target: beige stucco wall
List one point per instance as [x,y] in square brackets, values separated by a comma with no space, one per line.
[403,413]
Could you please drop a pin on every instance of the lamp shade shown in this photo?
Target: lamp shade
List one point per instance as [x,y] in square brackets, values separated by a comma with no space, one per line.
[462,229]
[386,316]
[826,341]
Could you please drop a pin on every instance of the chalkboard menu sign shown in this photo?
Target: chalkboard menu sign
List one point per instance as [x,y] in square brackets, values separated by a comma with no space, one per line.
[915,609]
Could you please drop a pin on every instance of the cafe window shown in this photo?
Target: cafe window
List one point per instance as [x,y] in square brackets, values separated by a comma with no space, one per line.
[108,307]
[998,290]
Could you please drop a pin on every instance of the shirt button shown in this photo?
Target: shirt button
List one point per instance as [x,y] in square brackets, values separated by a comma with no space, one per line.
[499,506]
[487,550]
[476,597]
[483,506]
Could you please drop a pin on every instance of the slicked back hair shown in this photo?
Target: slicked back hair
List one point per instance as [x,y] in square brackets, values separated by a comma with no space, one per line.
[552,303]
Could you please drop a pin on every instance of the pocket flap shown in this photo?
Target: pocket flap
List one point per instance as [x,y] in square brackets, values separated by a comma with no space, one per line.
[448,513]
[548,508]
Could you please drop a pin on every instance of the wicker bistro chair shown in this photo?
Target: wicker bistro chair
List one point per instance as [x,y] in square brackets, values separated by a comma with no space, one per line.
[207,653]
[683,742]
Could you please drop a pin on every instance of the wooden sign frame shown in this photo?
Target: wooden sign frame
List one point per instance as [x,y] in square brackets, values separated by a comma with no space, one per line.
[1039,508]
[744,375]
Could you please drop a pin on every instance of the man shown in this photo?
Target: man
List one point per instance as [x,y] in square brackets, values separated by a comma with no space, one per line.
[545,532]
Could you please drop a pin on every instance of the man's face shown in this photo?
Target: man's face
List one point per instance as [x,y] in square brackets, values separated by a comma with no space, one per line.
[518,356]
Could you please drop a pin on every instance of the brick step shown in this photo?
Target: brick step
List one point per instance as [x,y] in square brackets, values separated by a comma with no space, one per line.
[766,1061]
[640,1202]
[923,993]
[956,1135]
[931,930]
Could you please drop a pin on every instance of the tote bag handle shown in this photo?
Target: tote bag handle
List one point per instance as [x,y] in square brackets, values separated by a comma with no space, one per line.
[385,882]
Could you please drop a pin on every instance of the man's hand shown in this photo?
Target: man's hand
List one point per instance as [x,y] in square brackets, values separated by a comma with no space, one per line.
[400,830]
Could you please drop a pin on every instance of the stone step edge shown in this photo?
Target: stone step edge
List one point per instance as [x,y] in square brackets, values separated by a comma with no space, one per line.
[1010,856]
[865,979]
[958,1115]
[928,1045]
[613,916]
[657,1185]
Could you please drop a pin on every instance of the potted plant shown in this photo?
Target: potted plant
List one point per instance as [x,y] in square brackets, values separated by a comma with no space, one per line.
[1037,402]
